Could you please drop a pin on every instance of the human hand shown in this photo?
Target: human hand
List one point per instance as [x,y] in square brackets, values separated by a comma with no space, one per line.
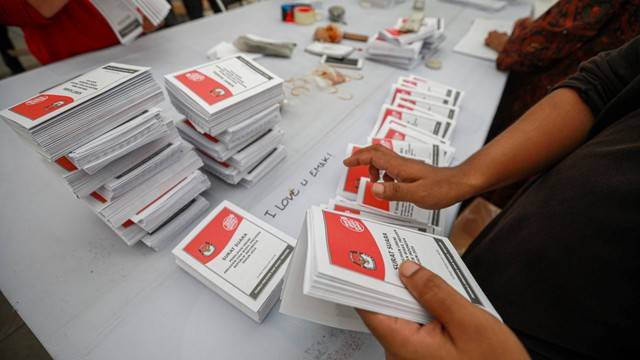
[147,25]
[496,40]
[412,180]
[460,330]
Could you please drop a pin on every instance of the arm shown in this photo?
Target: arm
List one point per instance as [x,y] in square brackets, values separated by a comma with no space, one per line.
[544,135]
[555,35]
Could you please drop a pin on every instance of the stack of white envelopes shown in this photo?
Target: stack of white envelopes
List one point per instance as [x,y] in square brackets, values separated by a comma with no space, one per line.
[78,111]
[344,261]
[239,257]
[117,152]
[395,47]
[231,108]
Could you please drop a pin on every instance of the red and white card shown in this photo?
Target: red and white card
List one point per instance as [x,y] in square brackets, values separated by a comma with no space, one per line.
[429,123]
[399,209]
[350,178]
[432,154]
[351,261]
[70,94]
[397,130]
[217,85]
[428,107]
[433,87]
[240,257]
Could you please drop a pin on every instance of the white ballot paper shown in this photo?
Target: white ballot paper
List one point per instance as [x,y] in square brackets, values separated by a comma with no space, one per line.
[123,18]
[352,262]
[430,86]
[400,209]
[428,122]
[473,42]
[426,106]
[238,256]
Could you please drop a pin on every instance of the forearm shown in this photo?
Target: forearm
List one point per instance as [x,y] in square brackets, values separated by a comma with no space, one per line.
[48,8]
[549,131]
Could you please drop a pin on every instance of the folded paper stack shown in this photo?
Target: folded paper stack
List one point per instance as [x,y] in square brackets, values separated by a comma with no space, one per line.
[403,49]
[118,152]
[239,257]
[231,108]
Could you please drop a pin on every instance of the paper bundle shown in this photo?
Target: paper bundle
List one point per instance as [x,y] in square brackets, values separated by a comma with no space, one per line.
[239,257]
[129,164]
[349,251]
[232,113]
[405,50]
[343,261]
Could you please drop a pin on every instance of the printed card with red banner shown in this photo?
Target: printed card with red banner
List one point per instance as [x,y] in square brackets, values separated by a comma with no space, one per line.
[433,87]
[241,256]
[397,90]
[432,154]
[70,94]
[399,209]
[429,123]
[420,105]
[223,83]
[354,262]
[350,178]
[351,207]
[397,130]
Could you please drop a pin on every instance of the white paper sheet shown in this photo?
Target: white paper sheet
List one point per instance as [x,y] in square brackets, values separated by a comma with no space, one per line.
[472,43]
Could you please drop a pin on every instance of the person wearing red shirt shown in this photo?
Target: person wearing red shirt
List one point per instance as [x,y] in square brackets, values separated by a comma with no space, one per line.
[58,29]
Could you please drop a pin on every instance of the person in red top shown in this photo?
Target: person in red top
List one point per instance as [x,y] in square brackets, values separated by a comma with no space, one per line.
[58,29]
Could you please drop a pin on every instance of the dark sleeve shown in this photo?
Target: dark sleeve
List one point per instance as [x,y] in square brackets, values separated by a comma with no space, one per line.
[555,34]
[600,79]
[20,13]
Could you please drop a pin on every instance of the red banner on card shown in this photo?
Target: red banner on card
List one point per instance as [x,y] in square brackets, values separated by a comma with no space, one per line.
[352,246]
[205,87]
[214,237]
[41,105]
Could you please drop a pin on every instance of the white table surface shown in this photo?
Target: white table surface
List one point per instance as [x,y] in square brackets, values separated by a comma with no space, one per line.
[85,294]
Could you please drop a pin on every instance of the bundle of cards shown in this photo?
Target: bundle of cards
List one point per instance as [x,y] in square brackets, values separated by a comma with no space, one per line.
[121,155]
[239,257]
[232,112]
[217,95]
[72,114]
[406,49]
[343,261]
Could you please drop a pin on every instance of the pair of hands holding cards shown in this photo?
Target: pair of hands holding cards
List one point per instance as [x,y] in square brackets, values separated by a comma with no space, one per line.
[462,330]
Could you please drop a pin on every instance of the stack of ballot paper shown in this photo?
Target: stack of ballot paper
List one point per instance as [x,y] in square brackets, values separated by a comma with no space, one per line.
[404,49]
[117,152]
[349,251]
[417,121]
[232,113]
[344,261]
[239,257]
[67,116]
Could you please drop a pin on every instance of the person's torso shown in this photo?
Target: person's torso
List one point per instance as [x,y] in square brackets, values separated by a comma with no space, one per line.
[75,29]
[560,263]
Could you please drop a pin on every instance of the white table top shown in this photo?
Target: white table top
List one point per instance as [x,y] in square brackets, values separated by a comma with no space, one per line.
[86,294]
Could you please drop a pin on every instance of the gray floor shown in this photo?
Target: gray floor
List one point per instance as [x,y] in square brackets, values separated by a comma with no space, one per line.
[17,342]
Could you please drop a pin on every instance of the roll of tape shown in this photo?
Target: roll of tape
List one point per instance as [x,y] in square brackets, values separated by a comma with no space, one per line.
[304,15]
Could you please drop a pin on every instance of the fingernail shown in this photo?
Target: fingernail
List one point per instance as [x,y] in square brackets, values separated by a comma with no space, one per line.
[377,189]
[407,268]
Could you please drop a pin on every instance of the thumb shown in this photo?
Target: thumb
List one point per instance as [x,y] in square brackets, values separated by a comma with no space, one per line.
[437,297]
[393,190]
